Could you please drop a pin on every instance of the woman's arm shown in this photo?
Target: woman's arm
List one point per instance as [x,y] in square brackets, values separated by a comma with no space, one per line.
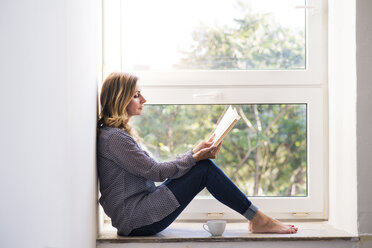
[127,154]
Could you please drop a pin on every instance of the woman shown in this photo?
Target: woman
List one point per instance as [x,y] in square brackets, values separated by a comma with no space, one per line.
[127,173]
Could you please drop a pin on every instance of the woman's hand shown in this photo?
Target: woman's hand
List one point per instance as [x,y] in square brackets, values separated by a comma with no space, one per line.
[205,150]
[203,144]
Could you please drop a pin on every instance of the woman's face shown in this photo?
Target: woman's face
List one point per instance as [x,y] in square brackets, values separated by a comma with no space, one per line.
[135,106]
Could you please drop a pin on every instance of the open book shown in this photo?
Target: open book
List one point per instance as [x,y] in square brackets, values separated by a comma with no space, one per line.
[225,124]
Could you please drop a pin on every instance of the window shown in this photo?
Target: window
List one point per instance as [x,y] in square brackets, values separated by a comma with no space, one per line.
[264,155]
[210,34]
[266,57]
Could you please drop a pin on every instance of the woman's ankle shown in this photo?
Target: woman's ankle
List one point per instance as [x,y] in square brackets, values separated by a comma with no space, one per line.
[259,218]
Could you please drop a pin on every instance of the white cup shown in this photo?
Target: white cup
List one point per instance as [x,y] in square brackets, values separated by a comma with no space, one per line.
[215,227]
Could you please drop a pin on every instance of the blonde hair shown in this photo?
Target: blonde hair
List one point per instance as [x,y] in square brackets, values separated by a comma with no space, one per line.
[117,91]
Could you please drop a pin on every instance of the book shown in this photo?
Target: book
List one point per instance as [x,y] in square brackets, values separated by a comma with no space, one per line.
[225,124]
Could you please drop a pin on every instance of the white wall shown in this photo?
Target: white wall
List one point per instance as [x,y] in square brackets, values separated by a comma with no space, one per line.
[350,82]
[48,69]
[364,116]
[342,115]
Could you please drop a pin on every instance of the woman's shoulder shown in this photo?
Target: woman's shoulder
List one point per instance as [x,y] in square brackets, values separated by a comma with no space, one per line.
[111,130]
[108,133]
[114,140]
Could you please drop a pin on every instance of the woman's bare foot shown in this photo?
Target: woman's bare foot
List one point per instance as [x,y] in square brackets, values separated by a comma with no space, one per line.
[261,223]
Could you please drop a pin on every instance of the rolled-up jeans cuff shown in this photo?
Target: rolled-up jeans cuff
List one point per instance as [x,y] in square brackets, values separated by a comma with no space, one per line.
[251,212]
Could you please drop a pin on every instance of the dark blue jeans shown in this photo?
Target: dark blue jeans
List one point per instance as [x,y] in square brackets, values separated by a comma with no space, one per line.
[204,174]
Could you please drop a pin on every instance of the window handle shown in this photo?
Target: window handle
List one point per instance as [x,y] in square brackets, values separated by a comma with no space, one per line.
[207,95]
[300,215]
[312,6]
[215,215]
[305,7]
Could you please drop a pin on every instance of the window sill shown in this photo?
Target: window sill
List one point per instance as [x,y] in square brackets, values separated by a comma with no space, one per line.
[235,232]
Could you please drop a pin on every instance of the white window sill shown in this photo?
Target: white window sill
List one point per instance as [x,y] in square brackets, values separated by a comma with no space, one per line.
[235,232]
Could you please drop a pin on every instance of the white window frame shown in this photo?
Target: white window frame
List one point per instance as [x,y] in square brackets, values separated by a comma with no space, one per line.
[310,206]
[314,74]
[246,87]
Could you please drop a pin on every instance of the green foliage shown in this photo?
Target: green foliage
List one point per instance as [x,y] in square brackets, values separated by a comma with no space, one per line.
[267,158]
[254,42]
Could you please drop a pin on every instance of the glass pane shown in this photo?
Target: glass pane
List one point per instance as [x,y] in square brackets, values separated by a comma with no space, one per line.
[213,34]
[264,154]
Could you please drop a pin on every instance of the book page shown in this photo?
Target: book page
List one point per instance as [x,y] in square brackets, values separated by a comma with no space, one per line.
[227,122]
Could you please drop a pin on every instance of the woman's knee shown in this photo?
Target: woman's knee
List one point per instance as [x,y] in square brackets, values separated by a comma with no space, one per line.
[204,165]
[200,170]
[209,167]
[207,163]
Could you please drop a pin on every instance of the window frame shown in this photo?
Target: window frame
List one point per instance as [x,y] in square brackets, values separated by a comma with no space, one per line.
[314,74]
[260,86]
[310,206]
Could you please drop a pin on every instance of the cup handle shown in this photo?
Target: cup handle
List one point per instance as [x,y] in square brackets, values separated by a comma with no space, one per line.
[205,227]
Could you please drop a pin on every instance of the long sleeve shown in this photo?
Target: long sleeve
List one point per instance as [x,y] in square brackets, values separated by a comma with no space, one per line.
[133,159]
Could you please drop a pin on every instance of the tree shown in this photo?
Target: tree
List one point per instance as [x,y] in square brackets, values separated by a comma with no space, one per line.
[264,154]
[254,42]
